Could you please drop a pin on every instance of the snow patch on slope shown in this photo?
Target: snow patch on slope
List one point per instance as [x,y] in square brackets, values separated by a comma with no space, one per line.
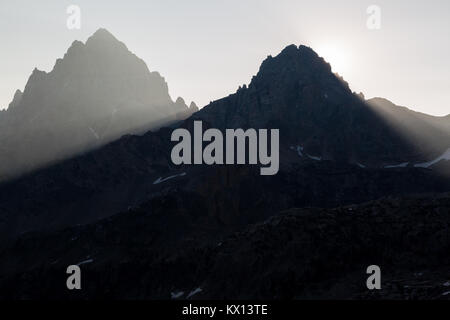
[176,295]
[301,153]
[445,156]
[160,179]
[314,158]
[299,150]
[194,292]
[401,165]
[85,262]
[94,133]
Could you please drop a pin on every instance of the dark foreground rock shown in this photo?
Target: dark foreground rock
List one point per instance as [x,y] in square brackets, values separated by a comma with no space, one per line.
[297,254]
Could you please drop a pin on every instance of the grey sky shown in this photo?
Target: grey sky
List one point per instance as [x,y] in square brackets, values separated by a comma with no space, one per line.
[207,48]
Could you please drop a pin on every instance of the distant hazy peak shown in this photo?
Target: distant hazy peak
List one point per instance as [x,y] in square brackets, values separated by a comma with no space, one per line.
[102,37]
[18,94]
[102,51]
[180,100]
[96,93]
[385,103]
[102,33]
[16,100]
[76,44]
[193,106]
[101,40]
[35,77]
[380,99]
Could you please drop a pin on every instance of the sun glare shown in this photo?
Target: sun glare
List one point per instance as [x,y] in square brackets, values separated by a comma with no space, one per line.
[336,57]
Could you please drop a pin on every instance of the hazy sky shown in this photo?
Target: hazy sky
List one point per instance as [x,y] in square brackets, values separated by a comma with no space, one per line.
[207,48]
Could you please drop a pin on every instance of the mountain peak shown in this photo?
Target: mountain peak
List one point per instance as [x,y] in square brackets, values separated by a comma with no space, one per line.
[301,51]
[76,46]
[180,100]
[16,100]
[304,49]
[102,39]
[294,65]
[110,54]
[103,34]
[98,91]
[193,106]
[101,42]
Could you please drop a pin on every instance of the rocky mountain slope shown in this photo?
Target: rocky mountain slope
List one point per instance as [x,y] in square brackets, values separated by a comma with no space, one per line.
[296,254]
[96,93]
[105,182]
[142,227]
[315,109]
[335,149]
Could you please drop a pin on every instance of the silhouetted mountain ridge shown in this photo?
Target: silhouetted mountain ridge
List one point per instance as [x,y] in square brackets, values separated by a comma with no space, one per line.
[145,228]
[315,109]
[344,143]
